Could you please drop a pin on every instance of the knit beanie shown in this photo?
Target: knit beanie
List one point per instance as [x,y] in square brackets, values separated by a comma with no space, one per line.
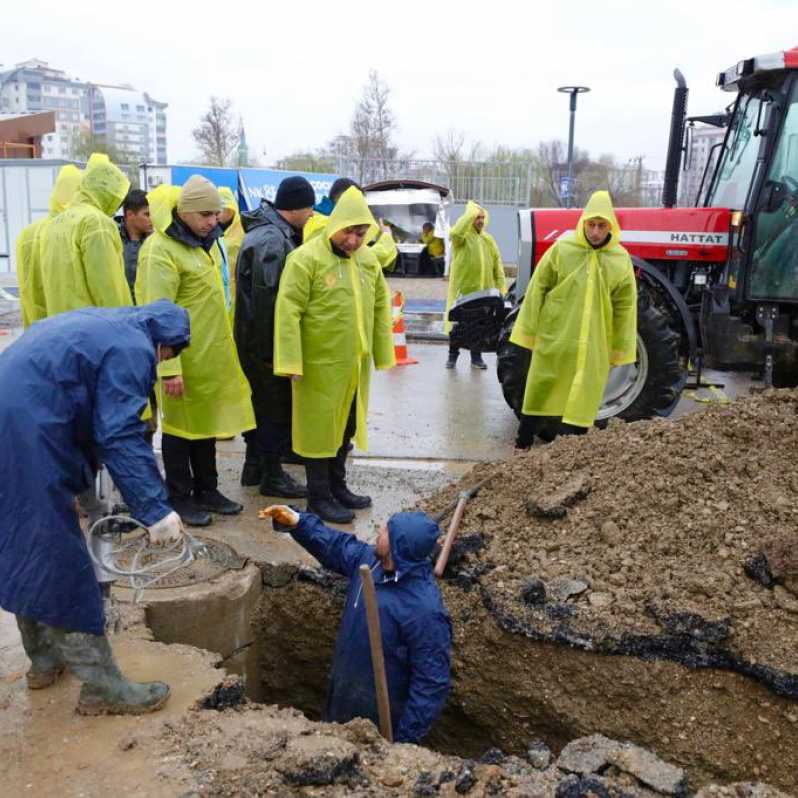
[198,195]
[294,193]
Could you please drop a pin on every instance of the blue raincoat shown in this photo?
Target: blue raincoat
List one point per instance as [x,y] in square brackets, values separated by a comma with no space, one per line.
[73,389]
[416,630]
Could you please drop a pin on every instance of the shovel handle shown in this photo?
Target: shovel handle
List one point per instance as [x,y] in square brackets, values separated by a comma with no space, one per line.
[377,657]
[451,534]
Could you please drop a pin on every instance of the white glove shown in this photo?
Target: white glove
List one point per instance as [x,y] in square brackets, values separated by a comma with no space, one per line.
[168,530]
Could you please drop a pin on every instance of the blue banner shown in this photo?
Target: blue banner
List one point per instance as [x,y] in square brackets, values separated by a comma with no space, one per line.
[219,177]
[258,184]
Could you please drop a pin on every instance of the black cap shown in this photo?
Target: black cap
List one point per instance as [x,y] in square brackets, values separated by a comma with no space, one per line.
[294,193]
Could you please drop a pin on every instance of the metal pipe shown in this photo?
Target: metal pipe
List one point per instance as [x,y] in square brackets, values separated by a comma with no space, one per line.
[670,189]
[572,91]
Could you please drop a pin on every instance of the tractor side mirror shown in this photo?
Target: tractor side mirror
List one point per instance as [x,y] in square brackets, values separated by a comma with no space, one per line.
[773,196]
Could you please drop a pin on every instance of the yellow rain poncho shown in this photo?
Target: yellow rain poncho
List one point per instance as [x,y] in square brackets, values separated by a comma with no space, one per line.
[381,244]
[333,318]
[233,236]
[476,260]
[216,401]
[81,250]
[314,226]
[579,317]
[29,274]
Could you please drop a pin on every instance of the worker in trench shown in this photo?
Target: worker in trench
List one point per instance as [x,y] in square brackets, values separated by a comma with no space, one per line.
[476,266]
[273,231]
[203,393]
[332,320]
[579,318]
[80,381]
[415,626]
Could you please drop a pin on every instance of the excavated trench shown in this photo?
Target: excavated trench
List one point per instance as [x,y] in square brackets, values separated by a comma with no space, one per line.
[677,693]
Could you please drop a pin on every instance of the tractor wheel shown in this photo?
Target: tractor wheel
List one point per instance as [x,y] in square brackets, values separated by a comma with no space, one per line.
[650,387]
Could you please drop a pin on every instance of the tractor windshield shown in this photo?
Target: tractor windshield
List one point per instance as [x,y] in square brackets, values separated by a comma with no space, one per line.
[737,161]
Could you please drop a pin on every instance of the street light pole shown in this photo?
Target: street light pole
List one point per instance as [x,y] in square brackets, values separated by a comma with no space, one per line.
[573,91]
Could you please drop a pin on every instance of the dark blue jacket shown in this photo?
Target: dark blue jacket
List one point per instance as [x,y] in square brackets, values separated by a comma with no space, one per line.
[416,631]
[72,389]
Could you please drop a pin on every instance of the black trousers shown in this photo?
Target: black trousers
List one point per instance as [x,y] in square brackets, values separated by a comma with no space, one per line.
[548,427]
[268,442]
[454,351]
[323,471]
[189,465]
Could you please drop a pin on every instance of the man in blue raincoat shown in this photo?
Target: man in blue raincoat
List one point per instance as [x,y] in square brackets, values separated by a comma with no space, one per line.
[416,630]
[74,388]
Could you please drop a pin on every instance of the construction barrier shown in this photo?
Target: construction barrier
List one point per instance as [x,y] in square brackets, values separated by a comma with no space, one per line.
[399,339]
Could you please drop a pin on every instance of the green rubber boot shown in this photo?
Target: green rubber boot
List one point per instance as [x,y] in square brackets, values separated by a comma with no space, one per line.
[105,690]
[46,662]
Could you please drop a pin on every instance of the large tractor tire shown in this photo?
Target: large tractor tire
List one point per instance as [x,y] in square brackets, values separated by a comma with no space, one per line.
[650,387]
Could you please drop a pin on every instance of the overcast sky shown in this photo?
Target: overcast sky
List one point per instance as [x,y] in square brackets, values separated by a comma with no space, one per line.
[294,70]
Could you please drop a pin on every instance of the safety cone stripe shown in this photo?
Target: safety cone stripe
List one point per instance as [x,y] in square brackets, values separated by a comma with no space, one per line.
[399,339]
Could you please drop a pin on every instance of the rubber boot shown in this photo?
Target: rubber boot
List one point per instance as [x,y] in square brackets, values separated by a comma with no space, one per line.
[277,482]
[105,690]
[338,487]
[46,663]
[320,498]
[451,362]
[477,362]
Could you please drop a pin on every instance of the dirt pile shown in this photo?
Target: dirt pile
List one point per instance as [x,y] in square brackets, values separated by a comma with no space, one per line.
[640,539]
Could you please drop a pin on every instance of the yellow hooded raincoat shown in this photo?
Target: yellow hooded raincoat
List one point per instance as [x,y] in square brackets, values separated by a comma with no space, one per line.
[29,273]
[476,260]
[579,316]
[383,246]
[81,251]
[233,236]
[216,401]
[333,318]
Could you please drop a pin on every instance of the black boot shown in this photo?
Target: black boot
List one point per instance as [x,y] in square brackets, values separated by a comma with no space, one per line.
[477,362]
[452,360]
[215,502]
[276,482]
[338,487]
[320,498]
[189,512]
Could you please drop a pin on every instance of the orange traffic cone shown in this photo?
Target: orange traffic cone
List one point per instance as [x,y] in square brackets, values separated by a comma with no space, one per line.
[399,340]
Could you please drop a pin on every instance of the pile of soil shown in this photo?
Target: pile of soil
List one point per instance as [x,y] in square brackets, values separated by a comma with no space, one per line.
[646,530]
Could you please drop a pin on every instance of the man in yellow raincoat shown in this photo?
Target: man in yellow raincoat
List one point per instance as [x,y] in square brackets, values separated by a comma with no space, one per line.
[579,318]
[381,242]
[476,266]
[29,273]
[333,318]
[230,222]
[81,252]
[203,392]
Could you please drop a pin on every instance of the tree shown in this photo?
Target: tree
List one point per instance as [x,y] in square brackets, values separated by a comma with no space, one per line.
[308,161]
[84,142]
[217,133]
[372,128]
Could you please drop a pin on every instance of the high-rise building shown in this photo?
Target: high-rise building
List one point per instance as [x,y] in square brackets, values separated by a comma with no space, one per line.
[127,121]
[706,141]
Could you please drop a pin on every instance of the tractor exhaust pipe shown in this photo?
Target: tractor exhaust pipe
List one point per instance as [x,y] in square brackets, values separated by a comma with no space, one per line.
[670,190]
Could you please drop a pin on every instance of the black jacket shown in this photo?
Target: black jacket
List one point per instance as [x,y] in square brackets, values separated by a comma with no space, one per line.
[268,240]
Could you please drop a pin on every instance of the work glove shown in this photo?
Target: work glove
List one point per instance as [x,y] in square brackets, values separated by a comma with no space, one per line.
[167,531]
[283,517]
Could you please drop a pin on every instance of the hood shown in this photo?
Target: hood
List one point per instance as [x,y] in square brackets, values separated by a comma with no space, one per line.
[229,202]
[164,322]
[65,188]
[600,205]
[103,185]
[314,226]
[412,538]
[265,214]
[472,210]
[350,210]
[162,201]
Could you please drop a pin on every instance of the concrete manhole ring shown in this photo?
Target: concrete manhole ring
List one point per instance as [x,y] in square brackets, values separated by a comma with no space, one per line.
[219,558]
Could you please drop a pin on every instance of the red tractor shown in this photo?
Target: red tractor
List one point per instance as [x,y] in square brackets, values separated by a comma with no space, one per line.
[717,283]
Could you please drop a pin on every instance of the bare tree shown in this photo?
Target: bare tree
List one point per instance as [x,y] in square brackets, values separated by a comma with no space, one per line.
[449,147]
[373,125]
[308,161]
[217,133]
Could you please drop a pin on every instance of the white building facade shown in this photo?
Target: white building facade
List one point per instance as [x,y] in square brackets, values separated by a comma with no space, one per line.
[128,121]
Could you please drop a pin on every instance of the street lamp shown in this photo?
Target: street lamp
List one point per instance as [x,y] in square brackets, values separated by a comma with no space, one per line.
[573,91]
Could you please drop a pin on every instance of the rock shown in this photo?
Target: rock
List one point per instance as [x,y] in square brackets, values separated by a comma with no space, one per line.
[599,600]
[586,754]
[318,760]
[740,790]
[424,786]
[277,574]
[564,588]
[228,693]
[465,780]
[392,778]
[538,754]
[758,569]
[649,768]
[610,533]
[493,756]
[128,743]
[555,504]
[533,592]
[585,787]
[785,600]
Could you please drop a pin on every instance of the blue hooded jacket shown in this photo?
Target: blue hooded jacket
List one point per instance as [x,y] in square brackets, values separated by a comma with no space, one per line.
[72,390]
[416,630]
